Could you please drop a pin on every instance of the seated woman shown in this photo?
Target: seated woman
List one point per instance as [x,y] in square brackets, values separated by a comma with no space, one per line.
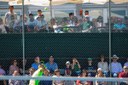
[83,74]
[76,68]
[100,74]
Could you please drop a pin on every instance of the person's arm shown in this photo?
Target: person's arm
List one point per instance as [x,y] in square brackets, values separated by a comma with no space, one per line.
[120,67]
[78,64]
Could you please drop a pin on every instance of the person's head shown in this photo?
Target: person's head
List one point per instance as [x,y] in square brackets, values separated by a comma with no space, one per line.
[41,67]
[57,72]
[74,60]
[37,59]
[119,20]
[11,8]
[31,70]
[84,73]
[90,60]
[71,15]
[14,62]
[51,59]
[115,58]
[68,64]
[99,70]
[46,72]
[125,68]
[31,16]
[102,58]
[15,73]
[39,12]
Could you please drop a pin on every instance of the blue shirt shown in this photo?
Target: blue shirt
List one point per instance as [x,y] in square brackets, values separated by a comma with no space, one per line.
[51,67]
[35,65]
[119,26]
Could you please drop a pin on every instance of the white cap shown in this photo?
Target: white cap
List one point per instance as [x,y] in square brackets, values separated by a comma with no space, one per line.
[68,62]
[99,69]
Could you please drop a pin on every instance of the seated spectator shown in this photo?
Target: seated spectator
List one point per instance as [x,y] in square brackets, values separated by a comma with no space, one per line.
[126,63]
[31,71]
[46,82]
[31,23]
[68,71]
[39,72]
[16,82]
[76,68]
[57,82]
[103,65]
[51,65]
[41,24]
[2,73]
[36,63]
[86,25]
[115,67]
[13,67]
[18,24]
[2,26]
[100,74]
[124,74]
[82,82]
[119,25]
[91,68]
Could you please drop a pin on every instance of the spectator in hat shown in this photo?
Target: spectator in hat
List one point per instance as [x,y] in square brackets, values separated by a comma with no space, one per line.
[100,74]
[124,74]
[126,63]
[10,18]
[31,23]
[115,67]
[91,68]
[103,65]
[51,65]
[68,71]
[36,63]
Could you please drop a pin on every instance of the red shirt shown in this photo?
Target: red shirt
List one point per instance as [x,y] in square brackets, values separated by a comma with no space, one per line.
[123,75]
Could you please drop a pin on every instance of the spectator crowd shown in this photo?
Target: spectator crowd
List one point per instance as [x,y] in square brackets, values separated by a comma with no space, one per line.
[72,69]
[11,24]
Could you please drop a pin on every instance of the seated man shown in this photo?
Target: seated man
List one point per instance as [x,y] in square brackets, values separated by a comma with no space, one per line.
[51,65]
[36,63]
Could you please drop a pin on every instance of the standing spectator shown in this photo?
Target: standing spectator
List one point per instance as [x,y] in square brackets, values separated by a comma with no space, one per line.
[51,65]
[100,74]
[126,63]
[31,23]
[13,67]
[57,82]
[16,82]
[2,73]
[36,63]
[91,68]
[103,65]
[2,26]
[115,67]
[76,68]
[10,18]
[124,74]
[82,82]
[39,13]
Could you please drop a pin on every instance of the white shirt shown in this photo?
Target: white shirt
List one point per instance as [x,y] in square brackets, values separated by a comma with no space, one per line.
[116,67]
[103,66]
[10,19]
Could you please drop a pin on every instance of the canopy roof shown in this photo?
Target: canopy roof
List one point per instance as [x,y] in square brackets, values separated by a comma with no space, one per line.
[59,2]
